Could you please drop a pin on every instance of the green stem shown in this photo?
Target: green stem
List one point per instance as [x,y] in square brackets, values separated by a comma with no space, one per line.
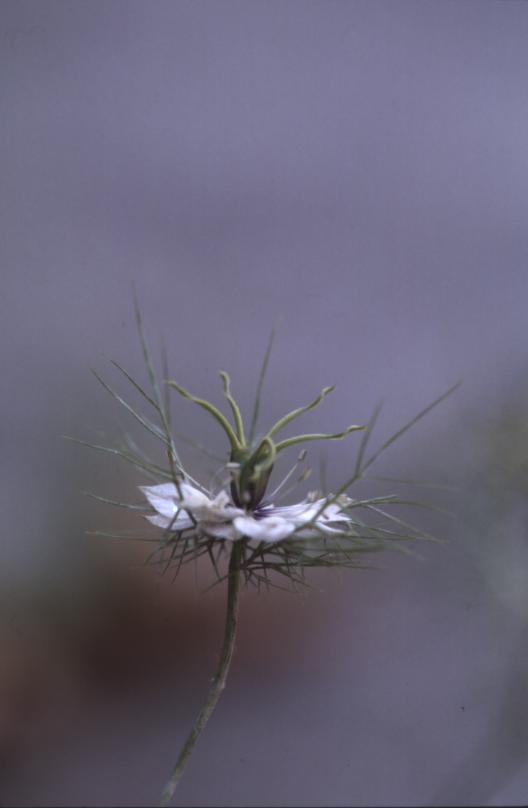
[219,681]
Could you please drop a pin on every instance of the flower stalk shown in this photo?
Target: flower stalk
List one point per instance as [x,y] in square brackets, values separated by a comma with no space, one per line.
[219,681]
[265,540]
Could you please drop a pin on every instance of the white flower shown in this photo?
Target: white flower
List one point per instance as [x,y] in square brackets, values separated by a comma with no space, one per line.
[186,506]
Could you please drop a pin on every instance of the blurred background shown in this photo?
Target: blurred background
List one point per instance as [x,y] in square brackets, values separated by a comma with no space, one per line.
[358,173]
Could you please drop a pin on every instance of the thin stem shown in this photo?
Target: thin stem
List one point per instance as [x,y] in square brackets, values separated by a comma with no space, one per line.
[219,681]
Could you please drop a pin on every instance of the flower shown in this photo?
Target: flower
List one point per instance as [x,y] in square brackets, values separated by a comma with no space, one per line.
[285,540]
[265,539]
[184,507]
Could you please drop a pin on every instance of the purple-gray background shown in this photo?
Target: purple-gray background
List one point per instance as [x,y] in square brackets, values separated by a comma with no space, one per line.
[357,172]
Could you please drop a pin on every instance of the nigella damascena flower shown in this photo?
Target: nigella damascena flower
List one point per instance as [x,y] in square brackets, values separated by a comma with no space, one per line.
[283,539]
[243,520]
[218,518]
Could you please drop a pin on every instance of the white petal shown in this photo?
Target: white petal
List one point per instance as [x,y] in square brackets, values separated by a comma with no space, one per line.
[270,528]
[163,498]
[193,499]
[311,518]
[221,500]
[160,521]
[166,499]
[220,530]
[299,509]
[221,509]
[300,514]
[333,513]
